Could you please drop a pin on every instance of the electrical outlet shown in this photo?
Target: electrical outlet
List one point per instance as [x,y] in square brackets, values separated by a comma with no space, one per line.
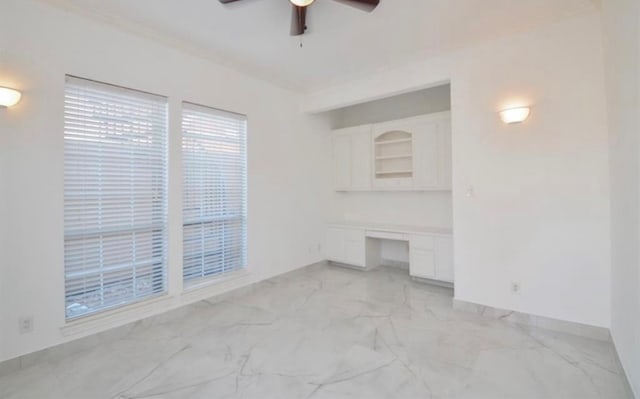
[25,325]
[471,192]
[515,287]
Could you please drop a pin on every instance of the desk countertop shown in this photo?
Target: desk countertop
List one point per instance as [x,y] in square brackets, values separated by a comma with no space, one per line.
[394,228]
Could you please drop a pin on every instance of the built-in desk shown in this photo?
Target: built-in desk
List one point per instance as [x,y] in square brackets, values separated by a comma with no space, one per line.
[357,245]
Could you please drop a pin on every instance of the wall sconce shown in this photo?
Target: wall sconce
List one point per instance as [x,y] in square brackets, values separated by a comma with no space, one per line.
[515,115]
[9,97]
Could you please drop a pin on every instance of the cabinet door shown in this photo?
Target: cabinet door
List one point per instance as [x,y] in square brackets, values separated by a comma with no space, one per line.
[422,263]
[445,154]
[336,245]
[346,245]
[425,155]
[342,162]
[361,159]
[355,252]
[354,241]
[444,259]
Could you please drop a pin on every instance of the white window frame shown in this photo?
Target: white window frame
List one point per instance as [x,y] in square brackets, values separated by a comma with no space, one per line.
[116,150]
[214,207]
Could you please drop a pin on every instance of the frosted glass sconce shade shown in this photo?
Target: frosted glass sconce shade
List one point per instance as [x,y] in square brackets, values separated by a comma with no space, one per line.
[515,115]
[9,97]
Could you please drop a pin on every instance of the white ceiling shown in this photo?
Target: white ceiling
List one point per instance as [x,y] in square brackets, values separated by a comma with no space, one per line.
[342,43]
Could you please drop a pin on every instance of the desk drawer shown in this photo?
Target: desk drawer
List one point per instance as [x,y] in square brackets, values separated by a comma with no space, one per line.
[387,235]
[422,242]
[354,235]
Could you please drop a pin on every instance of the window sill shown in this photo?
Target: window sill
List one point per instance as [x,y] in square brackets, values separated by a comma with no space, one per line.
[116,317]
[130,313]
[215,286]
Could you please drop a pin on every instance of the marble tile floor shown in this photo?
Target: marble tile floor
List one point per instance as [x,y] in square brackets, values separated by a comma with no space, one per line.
[328,332]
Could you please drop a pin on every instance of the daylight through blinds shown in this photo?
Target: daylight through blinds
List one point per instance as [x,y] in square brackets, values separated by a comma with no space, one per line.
[214,203]
[115,196]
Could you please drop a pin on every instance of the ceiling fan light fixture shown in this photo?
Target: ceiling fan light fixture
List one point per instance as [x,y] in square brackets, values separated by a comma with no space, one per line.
[301,3]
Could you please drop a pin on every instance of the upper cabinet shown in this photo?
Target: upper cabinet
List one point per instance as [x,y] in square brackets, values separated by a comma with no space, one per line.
[406,155]
[352,159]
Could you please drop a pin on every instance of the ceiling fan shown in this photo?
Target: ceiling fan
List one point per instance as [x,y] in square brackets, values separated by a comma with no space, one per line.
[299,11]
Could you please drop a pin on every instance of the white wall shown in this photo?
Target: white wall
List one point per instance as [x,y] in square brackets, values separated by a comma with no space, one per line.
[621,19]
[288,179]
[404,208]
[540,214]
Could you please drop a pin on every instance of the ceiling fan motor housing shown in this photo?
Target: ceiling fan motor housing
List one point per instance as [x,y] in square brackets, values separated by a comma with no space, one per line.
[299,11]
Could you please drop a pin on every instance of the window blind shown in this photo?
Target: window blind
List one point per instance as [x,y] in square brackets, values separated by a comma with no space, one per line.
[115,196]
[214,190]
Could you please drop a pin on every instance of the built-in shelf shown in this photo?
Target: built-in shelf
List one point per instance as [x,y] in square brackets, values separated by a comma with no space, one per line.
[393,155]
[397,141]
[383,157]
[394,172]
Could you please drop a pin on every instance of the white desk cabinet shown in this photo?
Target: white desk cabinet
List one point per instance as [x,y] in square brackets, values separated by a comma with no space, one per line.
[431,257]
[422,264]
[422,258]
[430,249]
[346,245]
[444,258]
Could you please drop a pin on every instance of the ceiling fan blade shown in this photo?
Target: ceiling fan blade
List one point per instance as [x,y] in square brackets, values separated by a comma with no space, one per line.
[227,1]
[365,5]
[298,20]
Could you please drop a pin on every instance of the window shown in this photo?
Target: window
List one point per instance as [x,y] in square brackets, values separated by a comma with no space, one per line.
[214,204]
[115,196]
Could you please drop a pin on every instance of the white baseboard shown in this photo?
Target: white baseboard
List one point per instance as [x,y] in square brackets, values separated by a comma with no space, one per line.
[524,319]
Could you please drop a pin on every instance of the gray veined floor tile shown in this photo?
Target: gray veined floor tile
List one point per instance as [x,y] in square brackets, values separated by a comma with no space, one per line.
[327,332]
